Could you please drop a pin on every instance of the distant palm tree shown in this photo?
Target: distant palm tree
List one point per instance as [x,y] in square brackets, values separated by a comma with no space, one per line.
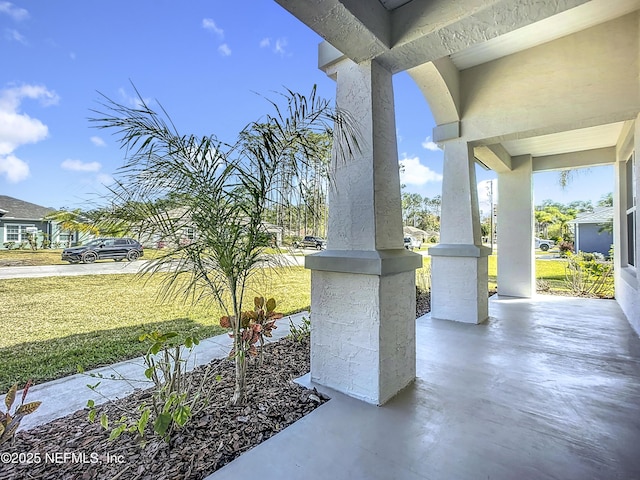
[73,221]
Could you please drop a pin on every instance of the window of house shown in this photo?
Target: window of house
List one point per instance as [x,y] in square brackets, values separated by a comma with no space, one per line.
[631,211]
[67,237]
[16,233]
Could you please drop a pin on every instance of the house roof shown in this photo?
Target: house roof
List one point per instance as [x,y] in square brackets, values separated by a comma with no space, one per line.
[599,215]
[416,232]
[14,208]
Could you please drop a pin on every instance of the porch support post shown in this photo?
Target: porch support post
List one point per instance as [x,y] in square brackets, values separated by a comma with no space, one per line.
[516,266]
[363,285]
[459,265]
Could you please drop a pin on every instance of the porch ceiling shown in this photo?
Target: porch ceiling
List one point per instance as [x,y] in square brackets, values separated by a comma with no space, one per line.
[402,34]
[579,140]
[411,34]
[393,4]
[564,23]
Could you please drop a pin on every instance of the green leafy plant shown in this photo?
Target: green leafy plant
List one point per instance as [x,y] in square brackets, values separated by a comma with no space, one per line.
[587,275]
[9,422]
[220,191]
[175,397]
[302,332]
[255,325]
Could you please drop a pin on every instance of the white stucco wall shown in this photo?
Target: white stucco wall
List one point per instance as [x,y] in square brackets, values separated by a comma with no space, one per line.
[366,187]
[516,267]
[627,287]
[361,333]
[363,285]
[584,79]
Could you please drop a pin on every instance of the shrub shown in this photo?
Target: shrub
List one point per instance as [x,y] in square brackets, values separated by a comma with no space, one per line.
[586,275]
[174,398]
[423,278]
[254,326]
[565,248]
[542,285]
[302,332]
[9,422]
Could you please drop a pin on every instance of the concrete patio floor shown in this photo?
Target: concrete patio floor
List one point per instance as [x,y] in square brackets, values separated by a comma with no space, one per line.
[547,388]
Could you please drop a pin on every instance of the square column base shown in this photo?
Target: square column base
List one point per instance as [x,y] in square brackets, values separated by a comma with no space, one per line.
[363,333]
[459,283]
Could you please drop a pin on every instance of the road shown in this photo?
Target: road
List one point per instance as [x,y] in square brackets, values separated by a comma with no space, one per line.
[103,267]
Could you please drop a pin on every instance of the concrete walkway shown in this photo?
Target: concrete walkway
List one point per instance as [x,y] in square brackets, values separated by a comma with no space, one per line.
[69,394]
[547,389]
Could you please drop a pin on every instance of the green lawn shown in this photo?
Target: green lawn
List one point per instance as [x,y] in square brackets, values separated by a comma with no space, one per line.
[30,257]
[551,271]
[53,325]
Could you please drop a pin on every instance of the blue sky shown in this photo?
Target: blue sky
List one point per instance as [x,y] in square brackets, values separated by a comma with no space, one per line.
[207,63]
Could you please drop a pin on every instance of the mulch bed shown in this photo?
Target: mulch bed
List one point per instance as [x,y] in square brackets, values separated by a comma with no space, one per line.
[73,448]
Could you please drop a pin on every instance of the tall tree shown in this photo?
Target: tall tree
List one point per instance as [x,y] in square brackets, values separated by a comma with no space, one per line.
[606,200]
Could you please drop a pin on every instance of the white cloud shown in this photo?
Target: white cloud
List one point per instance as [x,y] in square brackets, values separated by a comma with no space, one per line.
[104,179]
[15,36]
[133,101]
[14,12]
[17,128]
[278,46]
[414,173]
[80,166]
[209,24]
[486,190]
[430,145]
[15,169]
[224,50]
[98,142]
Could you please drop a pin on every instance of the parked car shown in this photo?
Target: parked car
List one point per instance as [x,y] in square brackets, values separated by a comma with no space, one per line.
[104,248]
[543,244]
[408,243]
[311,242]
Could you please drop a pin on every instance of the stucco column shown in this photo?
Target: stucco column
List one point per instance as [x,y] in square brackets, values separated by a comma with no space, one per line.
[516,265]
[459,265]
[363,285]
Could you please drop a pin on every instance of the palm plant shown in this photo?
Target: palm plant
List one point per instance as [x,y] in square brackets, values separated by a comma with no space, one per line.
[223,189]
[72,221]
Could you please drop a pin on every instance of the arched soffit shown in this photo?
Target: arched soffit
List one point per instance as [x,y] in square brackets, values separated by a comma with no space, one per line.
[439,82]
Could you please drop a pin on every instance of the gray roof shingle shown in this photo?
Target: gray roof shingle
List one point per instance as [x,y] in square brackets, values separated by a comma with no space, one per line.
[599,215]
[14,208]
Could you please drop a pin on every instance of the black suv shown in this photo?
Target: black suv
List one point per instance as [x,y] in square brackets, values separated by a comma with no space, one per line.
[102,248]
[311,242]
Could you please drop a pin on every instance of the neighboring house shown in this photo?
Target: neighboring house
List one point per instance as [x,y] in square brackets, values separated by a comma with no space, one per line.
[589,233]
[19,218]
[150,236]
[419,235]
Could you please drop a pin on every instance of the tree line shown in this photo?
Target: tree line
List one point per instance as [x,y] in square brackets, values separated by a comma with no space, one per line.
[552,218]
